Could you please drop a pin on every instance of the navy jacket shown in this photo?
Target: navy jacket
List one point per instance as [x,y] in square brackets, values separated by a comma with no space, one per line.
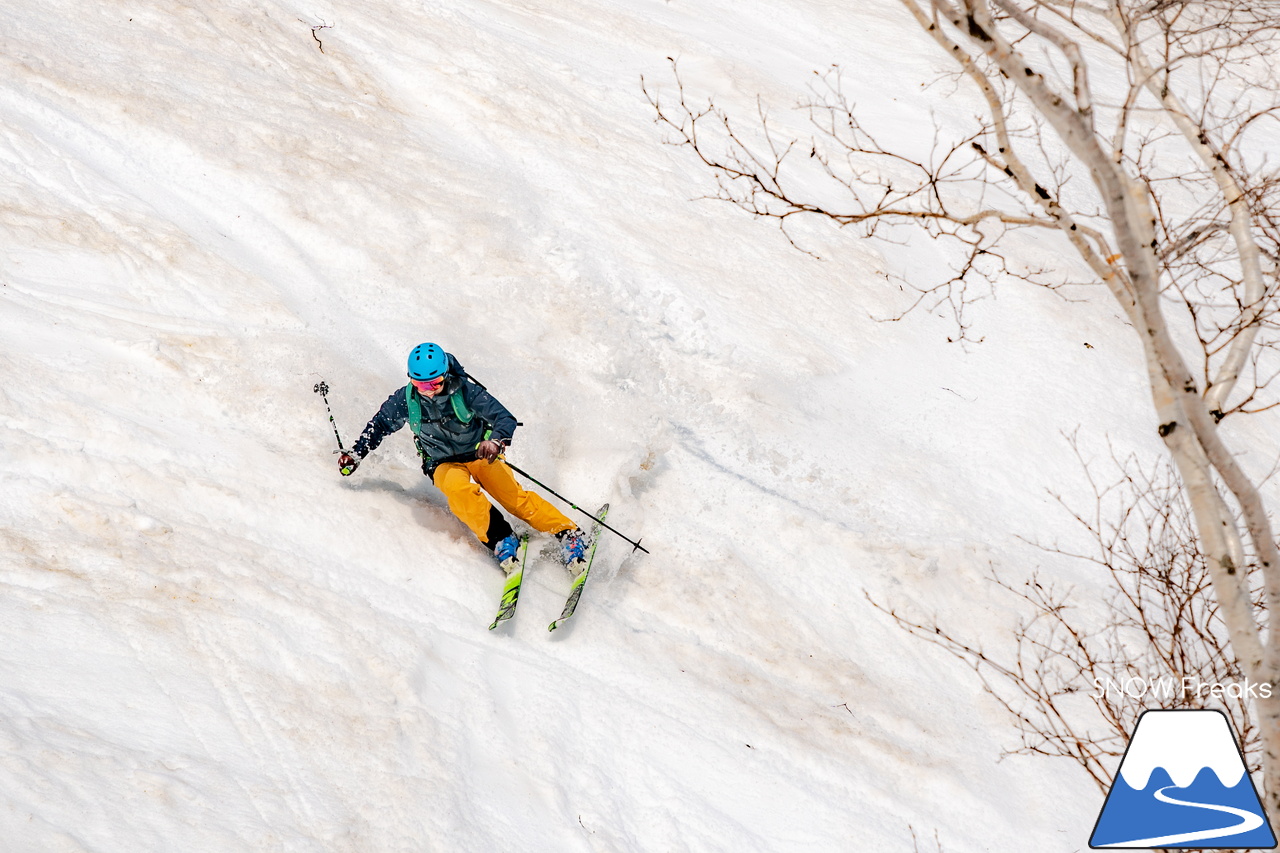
[444,437]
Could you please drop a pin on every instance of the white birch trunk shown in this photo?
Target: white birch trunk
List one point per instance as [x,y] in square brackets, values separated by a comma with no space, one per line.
[1186,419]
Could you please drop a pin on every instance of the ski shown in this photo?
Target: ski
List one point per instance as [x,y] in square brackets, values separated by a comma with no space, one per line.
[511,590]
[576,591]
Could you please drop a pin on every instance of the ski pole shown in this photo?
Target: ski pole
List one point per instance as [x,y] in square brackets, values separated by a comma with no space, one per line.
[322,388]
[533,480]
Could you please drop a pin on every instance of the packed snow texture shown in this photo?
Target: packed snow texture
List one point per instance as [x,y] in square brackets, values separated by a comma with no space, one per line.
[213,642]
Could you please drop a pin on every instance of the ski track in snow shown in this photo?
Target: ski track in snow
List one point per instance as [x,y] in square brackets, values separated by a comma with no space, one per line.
[212,642]
[1248,821]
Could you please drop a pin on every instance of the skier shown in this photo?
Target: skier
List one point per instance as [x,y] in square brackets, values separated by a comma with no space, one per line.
[461,431]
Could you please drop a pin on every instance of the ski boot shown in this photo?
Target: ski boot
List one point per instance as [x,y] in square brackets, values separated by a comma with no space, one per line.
[505,553]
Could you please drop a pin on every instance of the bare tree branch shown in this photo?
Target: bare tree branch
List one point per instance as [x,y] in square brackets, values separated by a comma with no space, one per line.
[1160,190]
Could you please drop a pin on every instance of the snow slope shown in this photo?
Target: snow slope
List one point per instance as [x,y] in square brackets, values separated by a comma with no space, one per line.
[212,642]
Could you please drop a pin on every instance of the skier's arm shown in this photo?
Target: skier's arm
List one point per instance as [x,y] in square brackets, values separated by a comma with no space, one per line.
[392,416]
[501,422]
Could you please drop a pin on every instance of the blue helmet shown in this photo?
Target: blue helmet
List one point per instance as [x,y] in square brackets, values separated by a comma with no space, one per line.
[427,361]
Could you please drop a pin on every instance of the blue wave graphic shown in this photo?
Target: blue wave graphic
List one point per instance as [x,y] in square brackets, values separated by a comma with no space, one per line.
[1204,811]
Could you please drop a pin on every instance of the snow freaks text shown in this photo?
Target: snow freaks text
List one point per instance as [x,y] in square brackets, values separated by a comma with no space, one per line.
[1168,687]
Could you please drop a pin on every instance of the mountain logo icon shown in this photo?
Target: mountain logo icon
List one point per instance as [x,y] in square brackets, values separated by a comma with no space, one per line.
[1182,783]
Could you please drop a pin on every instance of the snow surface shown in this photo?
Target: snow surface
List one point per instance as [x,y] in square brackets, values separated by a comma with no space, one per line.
[212,642]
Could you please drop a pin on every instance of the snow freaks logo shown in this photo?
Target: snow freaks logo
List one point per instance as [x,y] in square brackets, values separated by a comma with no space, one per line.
[1182,783]
[1167,687]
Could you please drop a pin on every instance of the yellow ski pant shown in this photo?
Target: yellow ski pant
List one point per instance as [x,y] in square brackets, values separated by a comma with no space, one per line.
[468,503]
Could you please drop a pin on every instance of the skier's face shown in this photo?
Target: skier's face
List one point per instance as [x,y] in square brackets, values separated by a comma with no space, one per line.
[429,387]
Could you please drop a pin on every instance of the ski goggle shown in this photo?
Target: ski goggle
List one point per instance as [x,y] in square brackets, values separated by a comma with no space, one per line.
[431,385]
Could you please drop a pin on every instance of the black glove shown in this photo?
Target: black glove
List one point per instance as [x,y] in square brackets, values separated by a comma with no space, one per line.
[489,450]
[347,464]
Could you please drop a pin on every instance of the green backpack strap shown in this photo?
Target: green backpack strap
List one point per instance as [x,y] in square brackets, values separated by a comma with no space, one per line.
[415,419]
[460,407]
[465,414]
[415,410]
